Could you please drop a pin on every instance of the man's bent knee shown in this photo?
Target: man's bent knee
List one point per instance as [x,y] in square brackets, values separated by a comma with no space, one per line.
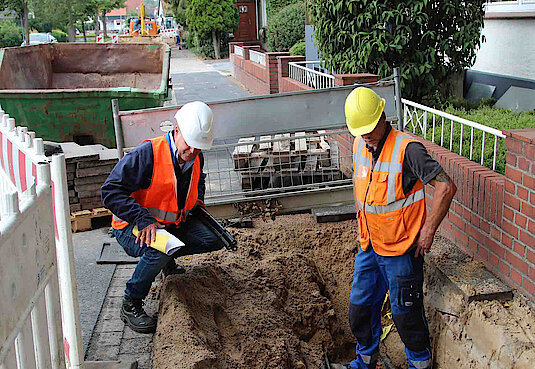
[360,317]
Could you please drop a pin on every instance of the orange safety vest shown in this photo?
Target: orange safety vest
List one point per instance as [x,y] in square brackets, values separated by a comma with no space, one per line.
[161,196]
[386,216]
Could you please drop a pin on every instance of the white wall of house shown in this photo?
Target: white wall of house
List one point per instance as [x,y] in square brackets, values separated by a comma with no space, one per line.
[115,25]
[509,48]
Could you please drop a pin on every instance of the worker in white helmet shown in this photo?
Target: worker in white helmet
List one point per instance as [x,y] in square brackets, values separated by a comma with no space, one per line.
[154,186]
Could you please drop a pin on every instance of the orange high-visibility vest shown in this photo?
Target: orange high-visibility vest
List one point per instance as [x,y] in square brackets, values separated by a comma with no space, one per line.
[161,196]
[386,216]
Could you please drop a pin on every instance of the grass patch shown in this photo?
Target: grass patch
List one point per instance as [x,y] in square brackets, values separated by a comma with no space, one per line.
[449,136]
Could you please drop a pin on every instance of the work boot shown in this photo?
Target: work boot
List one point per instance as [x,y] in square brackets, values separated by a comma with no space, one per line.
[133,315]
[173,269]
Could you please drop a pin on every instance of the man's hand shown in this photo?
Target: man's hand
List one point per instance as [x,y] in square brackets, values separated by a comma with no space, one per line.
[148,234]
[424,242]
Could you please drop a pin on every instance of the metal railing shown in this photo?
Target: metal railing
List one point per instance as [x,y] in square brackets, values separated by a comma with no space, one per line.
[268,166]
[472,140]
[308,73]
[238,50]
[257,57]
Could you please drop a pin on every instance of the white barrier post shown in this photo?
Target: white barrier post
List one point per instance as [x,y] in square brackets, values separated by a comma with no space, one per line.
[72,332]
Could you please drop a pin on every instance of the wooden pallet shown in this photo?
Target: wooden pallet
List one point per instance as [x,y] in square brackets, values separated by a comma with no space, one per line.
[86,220]
[295,160]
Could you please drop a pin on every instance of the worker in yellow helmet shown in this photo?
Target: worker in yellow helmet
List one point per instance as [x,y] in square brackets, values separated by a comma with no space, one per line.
[390,169]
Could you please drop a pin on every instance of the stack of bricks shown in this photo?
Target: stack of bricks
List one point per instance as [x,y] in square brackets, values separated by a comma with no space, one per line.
[87,169]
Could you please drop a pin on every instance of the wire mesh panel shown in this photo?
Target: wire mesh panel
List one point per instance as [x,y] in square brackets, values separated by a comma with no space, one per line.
[274,164]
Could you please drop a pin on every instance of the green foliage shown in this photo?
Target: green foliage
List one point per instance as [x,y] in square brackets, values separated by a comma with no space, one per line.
[179,8]
[500,119]
[428,39]
[273,6]
[299,48]
[204,47]
[39,26]
[286,28]
[60,35]
[203,16]
[10,34]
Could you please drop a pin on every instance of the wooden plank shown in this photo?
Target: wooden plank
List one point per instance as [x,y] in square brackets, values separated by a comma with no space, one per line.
[282,146]
[244,150]
[300,143]
[265,145]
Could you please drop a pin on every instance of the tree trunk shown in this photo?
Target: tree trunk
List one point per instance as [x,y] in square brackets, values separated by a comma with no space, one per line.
[104,25]
[72,30]
[25,22]
[97,24]
[215,40]
[83,30]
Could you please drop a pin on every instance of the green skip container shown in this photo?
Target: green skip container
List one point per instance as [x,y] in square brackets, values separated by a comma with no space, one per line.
[63,91]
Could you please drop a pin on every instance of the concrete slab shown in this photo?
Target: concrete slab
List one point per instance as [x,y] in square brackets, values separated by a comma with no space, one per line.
[517,98]
[478,91]
[334,213]
[112,253]
[205,86]
[468,275]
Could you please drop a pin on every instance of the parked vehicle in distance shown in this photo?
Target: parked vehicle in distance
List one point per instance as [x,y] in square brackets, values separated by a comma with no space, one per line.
[40,38]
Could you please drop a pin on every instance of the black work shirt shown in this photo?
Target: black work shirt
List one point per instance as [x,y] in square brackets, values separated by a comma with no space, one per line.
[417,163]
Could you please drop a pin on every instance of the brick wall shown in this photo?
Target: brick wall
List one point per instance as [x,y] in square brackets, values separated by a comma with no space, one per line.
[492,216]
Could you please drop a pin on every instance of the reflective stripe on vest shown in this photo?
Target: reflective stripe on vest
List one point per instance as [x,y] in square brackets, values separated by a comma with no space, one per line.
[389,217]
[160,199]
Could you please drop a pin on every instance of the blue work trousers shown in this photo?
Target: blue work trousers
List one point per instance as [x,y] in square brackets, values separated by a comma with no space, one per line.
[374,275]
[197,237]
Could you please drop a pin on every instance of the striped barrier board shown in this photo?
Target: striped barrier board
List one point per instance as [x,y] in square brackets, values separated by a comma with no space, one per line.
[100,39]
[115,39]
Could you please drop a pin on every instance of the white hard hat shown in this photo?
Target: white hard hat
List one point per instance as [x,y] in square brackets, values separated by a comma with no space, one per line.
[195,123]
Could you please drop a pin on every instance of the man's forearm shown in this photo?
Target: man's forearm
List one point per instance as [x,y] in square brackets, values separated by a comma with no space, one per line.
[442,196]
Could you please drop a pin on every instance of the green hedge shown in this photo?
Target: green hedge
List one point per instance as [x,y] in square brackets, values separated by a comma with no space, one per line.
[10,34]
[299,48]
[500,119]
[204,46]
[273,6]
[286,28]
[60,35]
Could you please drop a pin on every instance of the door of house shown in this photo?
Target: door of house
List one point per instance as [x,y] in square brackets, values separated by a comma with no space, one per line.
[247,26]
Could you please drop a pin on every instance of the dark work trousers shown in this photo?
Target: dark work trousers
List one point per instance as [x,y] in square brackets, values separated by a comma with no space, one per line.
[374,275]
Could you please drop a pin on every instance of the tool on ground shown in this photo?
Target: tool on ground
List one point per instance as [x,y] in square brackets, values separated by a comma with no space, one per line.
[225,237]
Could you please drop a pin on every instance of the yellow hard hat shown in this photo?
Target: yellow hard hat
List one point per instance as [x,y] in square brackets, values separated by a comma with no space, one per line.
[363,109]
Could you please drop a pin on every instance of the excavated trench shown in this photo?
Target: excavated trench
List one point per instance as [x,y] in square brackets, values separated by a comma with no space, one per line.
[282,299]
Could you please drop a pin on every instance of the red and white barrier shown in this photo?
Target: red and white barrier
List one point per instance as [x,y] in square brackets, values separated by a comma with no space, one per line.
[171,32]
[115,39]
[39,242]
[100,39]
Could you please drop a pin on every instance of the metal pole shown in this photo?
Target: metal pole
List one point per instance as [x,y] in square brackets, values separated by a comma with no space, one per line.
[397,92]
[70,308]
[119,140]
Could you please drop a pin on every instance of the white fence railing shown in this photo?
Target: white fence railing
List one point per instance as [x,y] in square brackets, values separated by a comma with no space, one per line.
[257,57]
[238,50]
[39,320]
[308,73]
[475,141]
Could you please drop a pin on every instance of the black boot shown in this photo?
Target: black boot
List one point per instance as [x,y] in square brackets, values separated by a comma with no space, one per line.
[133,315]
[173,269]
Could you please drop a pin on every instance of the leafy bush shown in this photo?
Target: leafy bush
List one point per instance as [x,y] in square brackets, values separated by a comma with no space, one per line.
[273,6]
[286,28]
[10,34]
[429,39]
[500,119]
[60,35]
[299,48]
[36,24]
[204,47]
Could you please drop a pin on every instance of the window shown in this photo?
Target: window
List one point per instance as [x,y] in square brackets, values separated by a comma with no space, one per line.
[510,8]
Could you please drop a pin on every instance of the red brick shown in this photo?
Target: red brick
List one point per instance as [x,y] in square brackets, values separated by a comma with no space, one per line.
[532,198]
[496,233]
[510,228]
[519,248]
[513,174]
[483,253]
[508,214]
[457,221]
[511,201]
[460,236]
[477,235]
[466,214]
[485,226]
[523,164]
[475,219]
[520,220]
[522,193]
[473,246]
[516,277]
[526,238]
[529,151]
[531,274]
[495,248]
[513,145]
[528,210]
[510,159]
[504,267]
[507,240]
[528,181]
[494,261]
[531,226]
[517,262]
[529,286]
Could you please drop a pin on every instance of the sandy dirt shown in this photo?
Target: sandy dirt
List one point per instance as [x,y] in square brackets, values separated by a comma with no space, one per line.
[283,298]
